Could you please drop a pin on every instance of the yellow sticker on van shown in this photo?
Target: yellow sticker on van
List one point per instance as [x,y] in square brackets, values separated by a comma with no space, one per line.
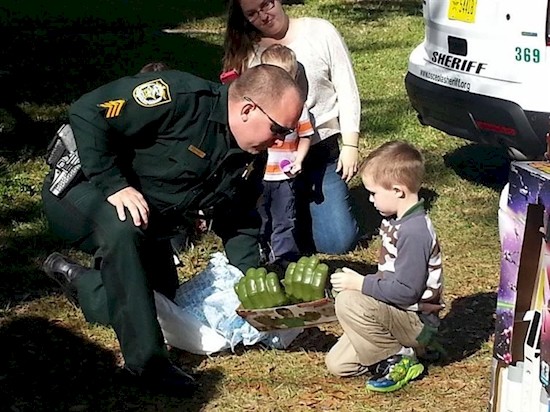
[462,10]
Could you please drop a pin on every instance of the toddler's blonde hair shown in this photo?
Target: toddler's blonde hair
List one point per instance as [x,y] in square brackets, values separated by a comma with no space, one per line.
[282,56]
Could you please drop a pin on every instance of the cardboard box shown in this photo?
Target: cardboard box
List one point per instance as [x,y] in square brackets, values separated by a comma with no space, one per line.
[300,315]
[545,332]
[516,388]
[521,216]
[522,340]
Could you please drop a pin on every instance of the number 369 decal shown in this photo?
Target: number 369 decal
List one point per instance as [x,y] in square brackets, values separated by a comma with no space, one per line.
[525,54]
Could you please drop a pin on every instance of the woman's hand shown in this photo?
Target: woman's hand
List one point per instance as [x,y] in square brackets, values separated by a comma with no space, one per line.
[129,198]
[348,162]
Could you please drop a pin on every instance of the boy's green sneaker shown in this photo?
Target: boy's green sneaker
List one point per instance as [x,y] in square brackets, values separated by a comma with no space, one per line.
[399,373]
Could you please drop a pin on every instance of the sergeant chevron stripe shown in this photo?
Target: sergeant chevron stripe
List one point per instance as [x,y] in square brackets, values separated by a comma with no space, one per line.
[113,107]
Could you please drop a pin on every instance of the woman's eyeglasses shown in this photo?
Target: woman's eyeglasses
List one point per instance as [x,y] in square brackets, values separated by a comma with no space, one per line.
[275,128]
[253,15]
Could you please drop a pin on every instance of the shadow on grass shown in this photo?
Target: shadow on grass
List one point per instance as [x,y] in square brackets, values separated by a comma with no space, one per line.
[23,250]
[54,53]
[46,367]
[483,164]
[364,211]
[468,325]
[21,259]
[91,15]
[62,66]
[313,340]
[430,197]
[17,128]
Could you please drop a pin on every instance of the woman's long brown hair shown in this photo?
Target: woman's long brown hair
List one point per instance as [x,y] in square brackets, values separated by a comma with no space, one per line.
[239,40]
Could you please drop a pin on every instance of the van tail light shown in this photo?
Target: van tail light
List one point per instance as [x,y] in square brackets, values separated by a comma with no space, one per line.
[496,128]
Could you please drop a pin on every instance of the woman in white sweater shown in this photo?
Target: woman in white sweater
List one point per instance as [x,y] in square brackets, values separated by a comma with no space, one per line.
[333,102]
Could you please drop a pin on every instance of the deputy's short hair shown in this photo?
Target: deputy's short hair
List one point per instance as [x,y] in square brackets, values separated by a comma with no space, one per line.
[264,84]
[394,163]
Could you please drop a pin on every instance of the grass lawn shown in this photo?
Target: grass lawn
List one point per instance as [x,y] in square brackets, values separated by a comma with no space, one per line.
[53,360]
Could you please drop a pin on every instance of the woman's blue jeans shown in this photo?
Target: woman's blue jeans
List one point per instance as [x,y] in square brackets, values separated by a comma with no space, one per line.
[325,218]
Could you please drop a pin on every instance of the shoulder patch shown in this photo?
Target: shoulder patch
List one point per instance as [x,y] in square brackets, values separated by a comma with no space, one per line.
[113,107]
[153,93]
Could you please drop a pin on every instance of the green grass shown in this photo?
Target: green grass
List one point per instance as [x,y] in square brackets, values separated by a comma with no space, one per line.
[53,360]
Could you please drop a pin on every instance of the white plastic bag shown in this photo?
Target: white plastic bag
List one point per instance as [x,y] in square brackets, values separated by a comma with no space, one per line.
[204,320]
[184,331]
[209,296]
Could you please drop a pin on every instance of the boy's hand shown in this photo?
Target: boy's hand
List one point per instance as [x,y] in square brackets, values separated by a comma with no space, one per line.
[346,279]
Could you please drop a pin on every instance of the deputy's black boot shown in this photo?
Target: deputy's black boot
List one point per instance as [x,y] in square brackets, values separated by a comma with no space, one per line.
[168,379]
[64,271]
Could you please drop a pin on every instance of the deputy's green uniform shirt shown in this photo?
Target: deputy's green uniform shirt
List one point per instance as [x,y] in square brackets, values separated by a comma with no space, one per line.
[166,134]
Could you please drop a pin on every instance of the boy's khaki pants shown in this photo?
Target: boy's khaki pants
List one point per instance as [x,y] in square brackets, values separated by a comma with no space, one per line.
[373,331]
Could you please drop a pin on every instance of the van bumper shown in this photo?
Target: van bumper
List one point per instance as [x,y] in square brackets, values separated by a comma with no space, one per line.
[478,118]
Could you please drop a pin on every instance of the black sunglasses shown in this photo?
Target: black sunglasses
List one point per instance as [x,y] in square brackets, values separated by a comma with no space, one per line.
[275,128]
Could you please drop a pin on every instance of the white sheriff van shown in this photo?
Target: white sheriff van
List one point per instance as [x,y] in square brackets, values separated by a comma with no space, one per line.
[483,72]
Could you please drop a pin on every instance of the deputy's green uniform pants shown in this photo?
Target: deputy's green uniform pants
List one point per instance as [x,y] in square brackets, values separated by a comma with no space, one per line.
[128,265]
